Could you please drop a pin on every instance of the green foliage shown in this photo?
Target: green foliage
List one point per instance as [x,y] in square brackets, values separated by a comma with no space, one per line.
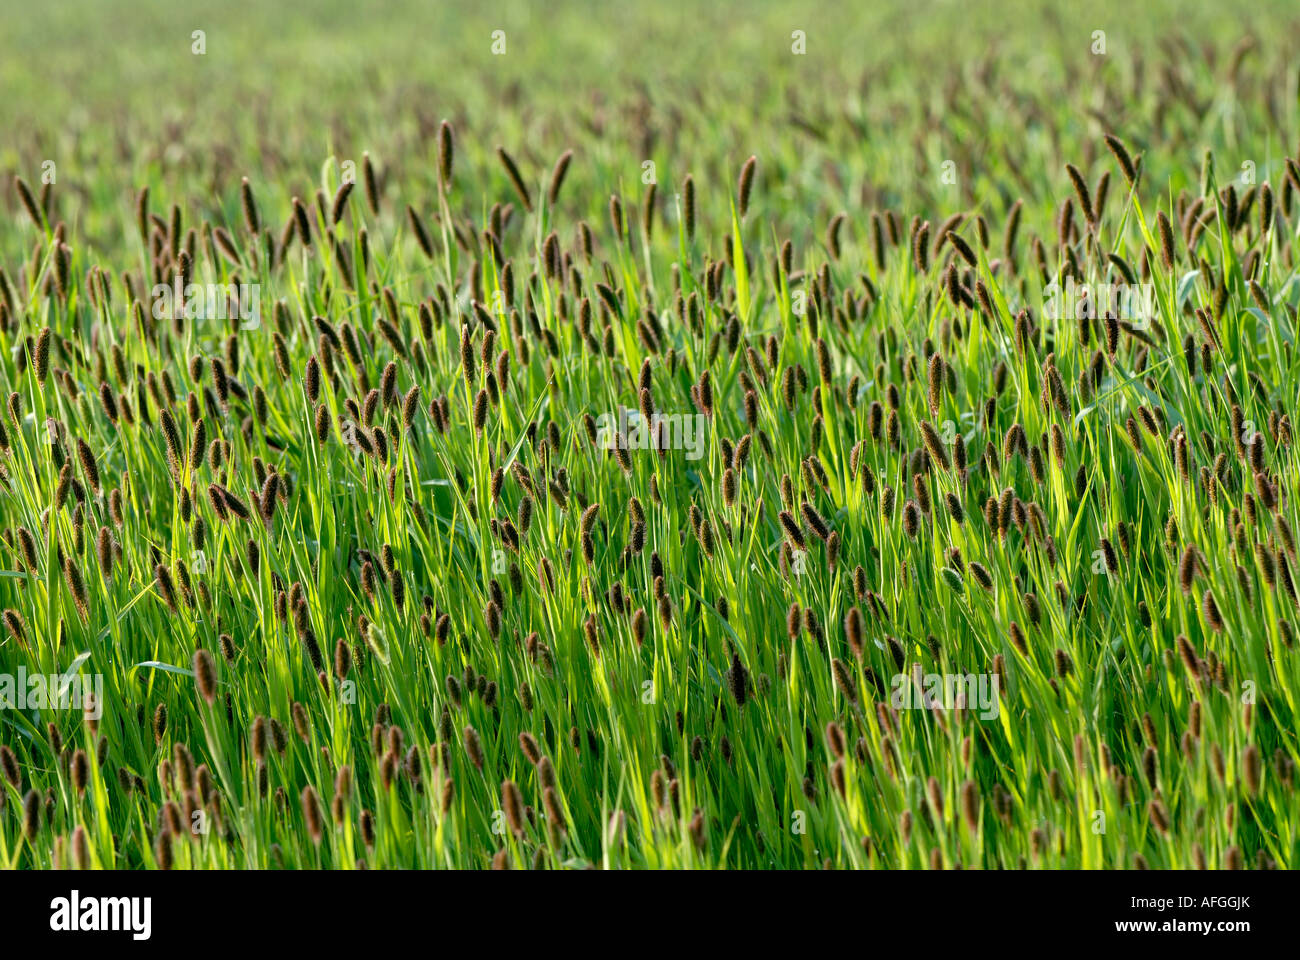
[529,649]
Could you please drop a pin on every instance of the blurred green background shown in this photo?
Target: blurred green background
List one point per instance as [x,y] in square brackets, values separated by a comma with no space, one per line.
[112,92]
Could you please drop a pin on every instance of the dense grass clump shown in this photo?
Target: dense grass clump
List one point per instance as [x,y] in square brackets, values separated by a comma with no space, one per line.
[521,467]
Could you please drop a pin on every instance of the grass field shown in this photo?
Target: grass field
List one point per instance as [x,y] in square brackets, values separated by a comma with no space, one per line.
[763,437]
